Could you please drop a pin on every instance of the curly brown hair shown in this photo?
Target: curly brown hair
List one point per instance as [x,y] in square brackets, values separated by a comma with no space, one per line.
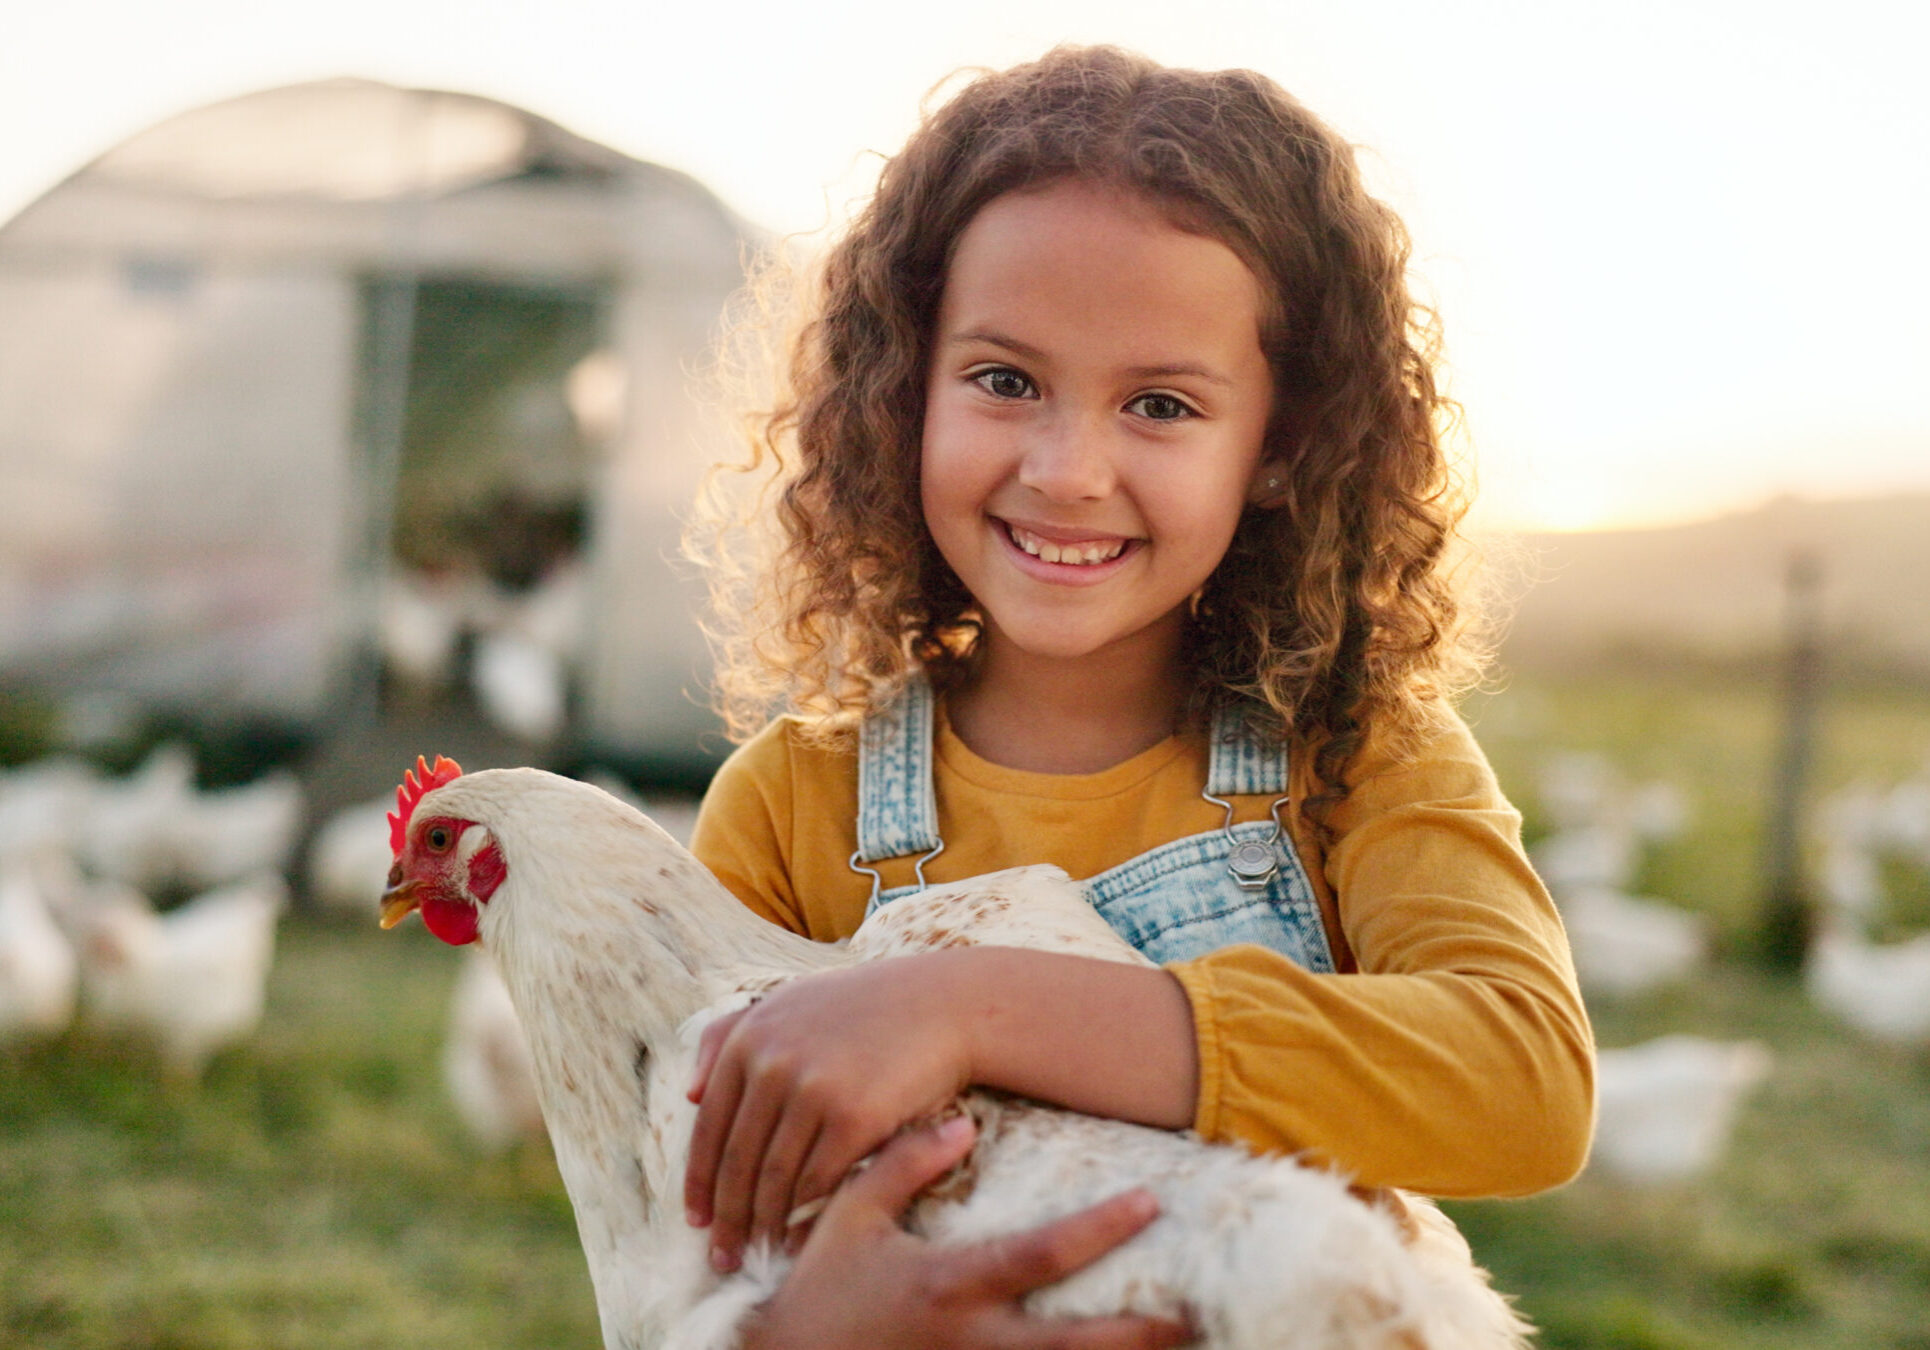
[1332,615]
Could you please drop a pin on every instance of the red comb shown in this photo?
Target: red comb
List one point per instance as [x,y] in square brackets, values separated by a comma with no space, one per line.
[413,790]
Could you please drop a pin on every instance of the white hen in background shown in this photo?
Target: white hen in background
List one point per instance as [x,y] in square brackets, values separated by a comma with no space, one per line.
[38,971]
[486,1063]
[44,806]
[231,834]
[617,947]
[349,857]
[1626,944]
[132,822]
[155,831]
[1881,989]
[193,980]
[1665,1108]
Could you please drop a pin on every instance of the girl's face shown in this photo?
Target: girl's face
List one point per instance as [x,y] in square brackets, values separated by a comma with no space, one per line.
[1094,416]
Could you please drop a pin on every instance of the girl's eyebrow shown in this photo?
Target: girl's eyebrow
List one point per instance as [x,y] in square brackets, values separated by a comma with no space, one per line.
[993,338]
[1028,352]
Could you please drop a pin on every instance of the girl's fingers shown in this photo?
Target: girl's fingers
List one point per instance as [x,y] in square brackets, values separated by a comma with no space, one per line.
[1106,1333]
[708,1047]
[1014,1266]
[830,1160]
[772,1202]
[901,1169]
[759,1112]
[863,1280]
[832,1155]
[715,1115]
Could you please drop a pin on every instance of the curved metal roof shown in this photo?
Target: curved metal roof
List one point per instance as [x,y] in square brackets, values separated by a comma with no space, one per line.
[350,140]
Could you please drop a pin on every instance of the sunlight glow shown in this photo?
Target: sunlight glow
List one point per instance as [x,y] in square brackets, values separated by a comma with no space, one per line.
[1636,303]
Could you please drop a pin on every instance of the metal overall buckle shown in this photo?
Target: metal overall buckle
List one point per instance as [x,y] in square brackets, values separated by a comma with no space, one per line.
[1253,863]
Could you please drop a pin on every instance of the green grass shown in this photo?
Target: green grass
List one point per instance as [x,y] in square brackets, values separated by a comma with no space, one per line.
[316,1193]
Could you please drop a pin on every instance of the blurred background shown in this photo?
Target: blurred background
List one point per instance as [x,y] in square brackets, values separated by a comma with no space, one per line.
[352,388]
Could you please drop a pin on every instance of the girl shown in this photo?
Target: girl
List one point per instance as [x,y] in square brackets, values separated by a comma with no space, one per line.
[1114,523]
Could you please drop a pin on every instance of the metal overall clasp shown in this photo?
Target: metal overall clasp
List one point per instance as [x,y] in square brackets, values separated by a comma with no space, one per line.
[1253,863]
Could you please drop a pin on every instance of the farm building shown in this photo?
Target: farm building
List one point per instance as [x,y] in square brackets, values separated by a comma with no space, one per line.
[342,387]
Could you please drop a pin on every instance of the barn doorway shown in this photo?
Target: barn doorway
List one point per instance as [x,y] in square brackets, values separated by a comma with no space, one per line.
[489,449]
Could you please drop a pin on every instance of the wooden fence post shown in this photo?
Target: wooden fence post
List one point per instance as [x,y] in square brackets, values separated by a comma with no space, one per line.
[1787,916]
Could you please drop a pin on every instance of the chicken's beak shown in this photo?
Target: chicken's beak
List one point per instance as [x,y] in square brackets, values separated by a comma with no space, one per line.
[400,901]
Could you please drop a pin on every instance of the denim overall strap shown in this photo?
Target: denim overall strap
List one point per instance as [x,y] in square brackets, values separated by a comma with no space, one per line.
[1240,883]
[897,809]
[1241,763]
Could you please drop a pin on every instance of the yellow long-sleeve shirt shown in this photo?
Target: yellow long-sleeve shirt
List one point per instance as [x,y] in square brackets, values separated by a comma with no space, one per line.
[1450,1054]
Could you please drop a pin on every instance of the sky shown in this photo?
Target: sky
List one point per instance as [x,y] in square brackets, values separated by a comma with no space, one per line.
[1677,248]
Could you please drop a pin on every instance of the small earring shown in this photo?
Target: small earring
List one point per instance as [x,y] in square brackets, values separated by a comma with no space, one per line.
[1272,482]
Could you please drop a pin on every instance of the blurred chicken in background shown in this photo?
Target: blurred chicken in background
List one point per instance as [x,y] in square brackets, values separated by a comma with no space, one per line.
[38,972]
[193,980]
[1880,988]
[1666,1107]
[157,832]
[486,1063]
[349,857]
[1601,828]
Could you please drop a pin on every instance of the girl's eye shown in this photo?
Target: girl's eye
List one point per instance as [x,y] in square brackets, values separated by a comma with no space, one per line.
[1161,407]
[438,837]
[1003,382]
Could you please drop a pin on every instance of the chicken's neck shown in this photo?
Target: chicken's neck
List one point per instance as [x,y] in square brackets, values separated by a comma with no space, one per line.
[632,946]
[605,959]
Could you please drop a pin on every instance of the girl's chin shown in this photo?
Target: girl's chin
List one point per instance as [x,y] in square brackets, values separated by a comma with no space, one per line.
[1062,638]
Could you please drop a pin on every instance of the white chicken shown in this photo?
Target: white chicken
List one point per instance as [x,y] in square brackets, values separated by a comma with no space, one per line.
[420,621]
[38,971]
[192,980]
[1666,1107]
[1881,989]
[131,822]
[521,670]
[347,859]
[1603,856]
[231,834]
[44,806]
[486,1063]
[154,830]
[617,947]
[523,689]
[1626,944]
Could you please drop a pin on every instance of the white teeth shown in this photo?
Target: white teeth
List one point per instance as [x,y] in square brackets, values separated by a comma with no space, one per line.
[1077,555]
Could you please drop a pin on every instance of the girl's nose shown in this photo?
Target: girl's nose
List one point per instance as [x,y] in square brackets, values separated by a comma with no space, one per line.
[1069,459]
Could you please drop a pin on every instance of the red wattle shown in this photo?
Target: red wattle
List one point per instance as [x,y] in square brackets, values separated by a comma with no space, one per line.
[451,920]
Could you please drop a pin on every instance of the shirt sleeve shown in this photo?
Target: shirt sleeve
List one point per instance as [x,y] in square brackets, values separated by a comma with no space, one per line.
[744,829]
[1458,1060]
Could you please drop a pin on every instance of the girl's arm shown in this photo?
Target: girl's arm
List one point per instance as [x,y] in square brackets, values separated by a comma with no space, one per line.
[797,1088]
[1456,1059]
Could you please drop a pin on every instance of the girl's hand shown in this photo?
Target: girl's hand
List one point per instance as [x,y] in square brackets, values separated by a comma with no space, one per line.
[861,1280]
[798,1087]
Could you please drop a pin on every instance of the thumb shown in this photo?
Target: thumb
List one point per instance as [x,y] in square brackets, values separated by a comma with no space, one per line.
[901,1169]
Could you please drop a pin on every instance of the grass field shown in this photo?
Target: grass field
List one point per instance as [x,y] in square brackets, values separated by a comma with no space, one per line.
[315,1193]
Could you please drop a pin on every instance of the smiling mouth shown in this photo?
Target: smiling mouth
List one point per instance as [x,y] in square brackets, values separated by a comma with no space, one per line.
[1089,553]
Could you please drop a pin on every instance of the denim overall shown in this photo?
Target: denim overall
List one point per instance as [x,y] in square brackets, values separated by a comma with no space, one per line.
[1240,883]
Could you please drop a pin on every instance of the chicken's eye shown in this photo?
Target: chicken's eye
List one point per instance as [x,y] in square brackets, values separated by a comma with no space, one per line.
[438,838]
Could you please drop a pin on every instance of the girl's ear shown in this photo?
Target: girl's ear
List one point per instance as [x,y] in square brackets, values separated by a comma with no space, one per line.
[1269,486]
